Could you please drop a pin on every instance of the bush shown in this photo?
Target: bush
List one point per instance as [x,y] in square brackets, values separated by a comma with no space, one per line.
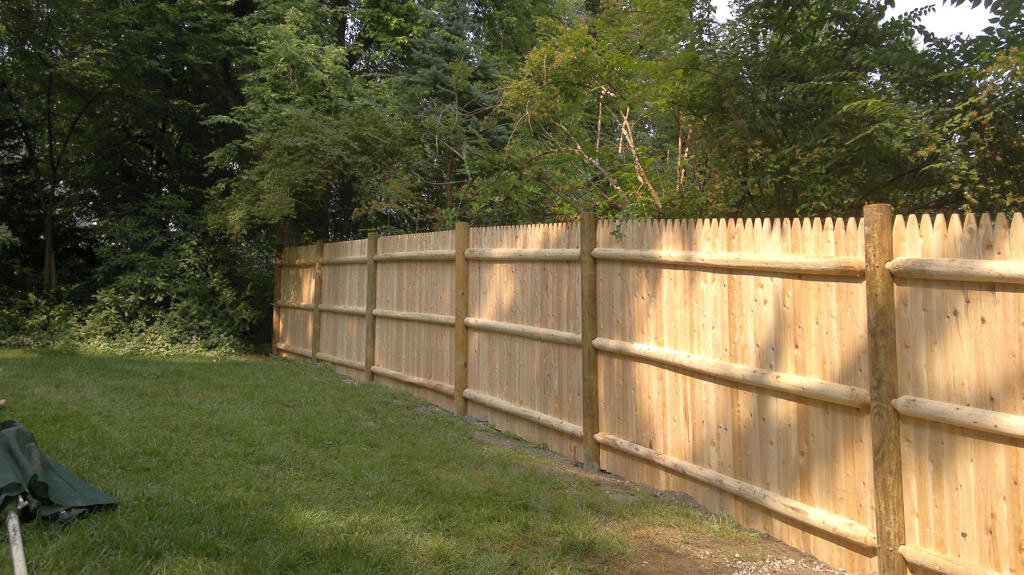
[177,303]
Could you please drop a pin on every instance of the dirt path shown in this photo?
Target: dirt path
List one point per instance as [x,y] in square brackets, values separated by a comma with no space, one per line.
[664,550]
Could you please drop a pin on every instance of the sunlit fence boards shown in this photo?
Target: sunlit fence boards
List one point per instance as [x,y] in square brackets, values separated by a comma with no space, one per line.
[524,330]
[415,314]
[723,352]
[733,362]
[294,308]
[960,321]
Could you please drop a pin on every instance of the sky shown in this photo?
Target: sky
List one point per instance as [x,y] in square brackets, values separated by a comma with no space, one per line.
[946,20]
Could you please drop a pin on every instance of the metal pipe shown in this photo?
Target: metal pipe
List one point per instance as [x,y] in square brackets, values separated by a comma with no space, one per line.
[14,536]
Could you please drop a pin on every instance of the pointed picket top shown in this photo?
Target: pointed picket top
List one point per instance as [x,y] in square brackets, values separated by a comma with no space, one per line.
[742,234]
[720,235]
[899,237]
[789,237]
[669,235]
[662,235]
[954,241]
[970,241]
[912,237]
[1001,234]
[830,239]
[1017,237]
[732,235]
[757,241]
[926,236]
[706,237]
[803,225]
[755,238]
[937,237]
[986,237]
[816,245]
[690,236]
[776,234]
[698,235]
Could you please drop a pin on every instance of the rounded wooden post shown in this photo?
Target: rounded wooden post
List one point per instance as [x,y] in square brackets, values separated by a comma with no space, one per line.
[884,387]
[461,375]
[318,282]
[588,332]
[276,318]
[369,351]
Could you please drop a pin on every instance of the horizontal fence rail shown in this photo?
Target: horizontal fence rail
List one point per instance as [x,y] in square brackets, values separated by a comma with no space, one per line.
[771,264]
[532,255]
[530,332]
[850,386]
[841,527]
[527,414]
[958,270]
[786,383]
[994,422]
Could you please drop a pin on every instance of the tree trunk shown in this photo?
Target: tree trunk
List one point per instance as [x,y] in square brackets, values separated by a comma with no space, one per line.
[49,261]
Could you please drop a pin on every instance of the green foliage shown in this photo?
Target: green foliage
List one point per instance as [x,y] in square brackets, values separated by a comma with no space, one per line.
[157,153]
[34,321]
[160,289]
[595,103]
[368,116]
[7,239]
[103,154]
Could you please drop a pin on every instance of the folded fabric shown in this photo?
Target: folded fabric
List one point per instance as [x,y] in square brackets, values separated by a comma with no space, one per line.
[52,491]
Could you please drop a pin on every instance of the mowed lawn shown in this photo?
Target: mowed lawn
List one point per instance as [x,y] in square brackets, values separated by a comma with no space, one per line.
[254,465]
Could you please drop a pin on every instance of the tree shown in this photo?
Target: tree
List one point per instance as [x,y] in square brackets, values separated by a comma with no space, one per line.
[103,105]
[57,64]
[799,113]
[366,115]
[597,104]
[975,97]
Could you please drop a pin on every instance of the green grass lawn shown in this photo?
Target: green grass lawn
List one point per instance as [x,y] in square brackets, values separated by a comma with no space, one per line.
[254,465]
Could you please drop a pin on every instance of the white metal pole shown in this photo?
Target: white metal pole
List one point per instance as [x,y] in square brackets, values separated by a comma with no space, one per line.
[14,536]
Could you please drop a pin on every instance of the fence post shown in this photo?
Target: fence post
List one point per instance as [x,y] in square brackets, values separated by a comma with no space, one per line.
[461,376]
[588,331]
[276,318]
[884,387]
[318,282]
[369,351]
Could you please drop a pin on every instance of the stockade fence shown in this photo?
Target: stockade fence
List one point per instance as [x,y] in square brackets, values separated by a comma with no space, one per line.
[852,387]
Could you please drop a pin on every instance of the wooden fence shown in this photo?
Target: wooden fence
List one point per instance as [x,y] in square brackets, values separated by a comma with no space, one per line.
[852,387]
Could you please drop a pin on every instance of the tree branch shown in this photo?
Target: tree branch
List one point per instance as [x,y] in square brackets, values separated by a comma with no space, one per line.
[641,174]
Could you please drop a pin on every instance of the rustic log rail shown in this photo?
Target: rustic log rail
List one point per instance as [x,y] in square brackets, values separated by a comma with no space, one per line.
[417,256]
[342,309]
[821,520]
[415,316]
[527,255]
[994,422]
[958,270]
[786,383]
[438,386]
[527,331]
[736,262]
[940,563]
[528,414]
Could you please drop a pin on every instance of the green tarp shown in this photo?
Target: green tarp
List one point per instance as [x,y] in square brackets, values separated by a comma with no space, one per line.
[51,490]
